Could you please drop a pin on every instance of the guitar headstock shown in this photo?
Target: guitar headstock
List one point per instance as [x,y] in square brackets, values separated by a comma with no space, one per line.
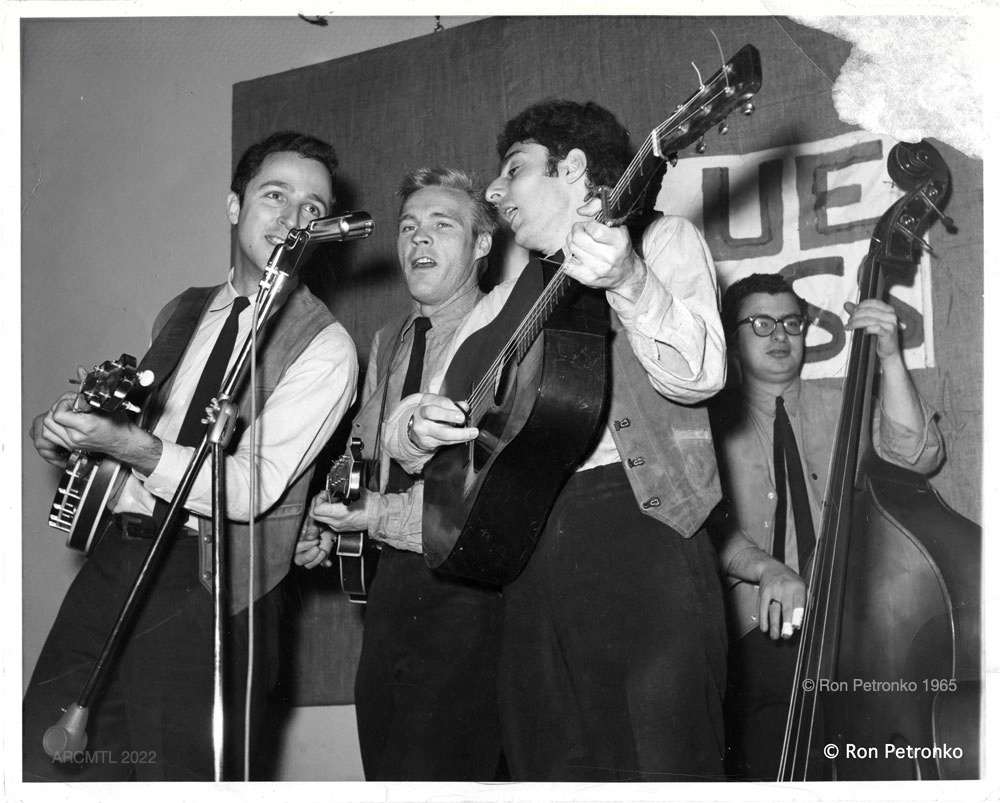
[731,87]
[107,387]
[343,482]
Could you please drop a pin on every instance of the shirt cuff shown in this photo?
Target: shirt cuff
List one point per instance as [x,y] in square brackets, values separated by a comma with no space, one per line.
[899,440]
[395,519]
[174,460]
[396,441]
[635,314]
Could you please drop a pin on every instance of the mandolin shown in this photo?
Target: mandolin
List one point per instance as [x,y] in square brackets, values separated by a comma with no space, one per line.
[357,554]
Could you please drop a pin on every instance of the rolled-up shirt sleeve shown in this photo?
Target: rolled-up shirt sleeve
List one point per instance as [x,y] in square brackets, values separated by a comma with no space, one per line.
[674,327]
[396,518]
[396,441]
[919,450]
[298,419]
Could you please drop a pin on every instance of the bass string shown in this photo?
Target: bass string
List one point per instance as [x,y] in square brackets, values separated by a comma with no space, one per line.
[814,648]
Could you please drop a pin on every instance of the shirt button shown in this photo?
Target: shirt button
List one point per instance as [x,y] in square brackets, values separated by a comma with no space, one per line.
[772,495]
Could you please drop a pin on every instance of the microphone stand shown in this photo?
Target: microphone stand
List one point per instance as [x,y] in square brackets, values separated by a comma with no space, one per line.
[69,735]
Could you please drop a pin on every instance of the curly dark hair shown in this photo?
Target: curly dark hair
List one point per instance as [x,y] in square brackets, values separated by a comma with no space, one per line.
[773,284]
[306,146]
[561,125]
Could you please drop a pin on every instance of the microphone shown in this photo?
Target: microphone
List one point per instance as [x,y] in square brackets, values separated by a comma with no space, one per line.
[352,226]
[299,244]
[69,735]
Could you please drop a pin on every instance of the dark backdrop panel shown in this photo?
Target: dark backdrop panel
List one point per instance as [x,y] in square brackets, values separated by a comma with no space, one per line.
[442,99]
[428,101]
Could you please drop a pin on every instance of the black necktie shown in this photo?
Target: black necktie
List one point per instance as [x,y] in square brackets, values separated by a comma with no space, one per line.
[399,480]
[415,370]
[786,455]
[212,375]
[192,428]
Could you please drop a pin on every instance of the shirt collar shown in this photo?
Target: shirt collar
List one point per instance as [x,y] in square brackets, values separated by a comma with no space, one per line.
[226,295]
[762,400]
[451,313]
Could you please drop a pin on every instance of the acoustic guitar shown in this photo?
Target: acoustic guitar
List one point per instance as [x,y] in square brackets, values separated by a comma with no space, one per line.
[535,376]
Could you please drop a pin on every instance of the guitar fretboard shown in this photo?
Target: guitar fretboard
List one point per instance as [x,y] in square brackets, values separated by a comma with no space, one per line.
[734,83]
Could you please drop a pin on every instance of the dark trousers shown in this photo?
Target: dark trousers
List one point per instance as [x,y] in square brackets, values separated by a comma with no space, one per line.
[761,673]
[151,719]
[613,653]
[425,691]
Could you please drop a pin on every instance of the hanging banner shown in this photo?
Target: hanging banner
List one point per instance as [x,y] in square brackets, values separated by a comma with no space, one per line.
[806,211]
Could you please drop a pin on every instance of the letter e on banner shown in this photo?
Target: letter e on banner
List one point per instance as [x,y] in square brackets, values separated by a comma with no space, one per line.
[807,211]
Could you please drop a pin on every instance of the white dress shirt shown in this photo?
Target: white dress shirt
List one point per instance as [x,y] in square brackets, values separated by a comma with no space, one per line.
[298,419]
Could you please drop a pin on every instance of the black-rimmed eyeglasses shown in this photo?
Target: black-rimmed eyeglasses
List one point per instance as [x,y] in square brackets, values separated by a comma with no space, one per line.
[763,325]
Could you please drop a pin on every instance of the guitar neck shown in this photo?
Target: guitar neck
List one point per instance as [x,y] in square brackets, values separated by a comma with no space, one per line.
[632,185]
[732,86]
[620,202]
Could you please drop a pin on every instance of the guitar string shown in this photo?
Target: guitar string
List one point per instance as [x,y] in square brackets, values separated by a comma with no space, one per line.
[517,340]
[525,334]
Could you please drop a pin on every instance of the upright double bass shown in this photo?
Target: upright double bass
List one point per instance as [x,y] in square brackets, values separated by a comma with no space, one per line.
[888,675]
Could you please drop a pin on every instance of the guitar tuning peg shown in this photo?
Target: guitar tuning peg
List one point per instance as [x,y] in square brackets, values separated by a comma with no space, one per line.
[130,408]
[748,108]
[723,127]
[701,147]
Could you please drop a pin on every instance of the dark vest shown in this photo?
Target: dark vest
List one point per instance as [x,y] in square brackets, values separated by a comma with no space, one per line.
[294,326]
[666,448]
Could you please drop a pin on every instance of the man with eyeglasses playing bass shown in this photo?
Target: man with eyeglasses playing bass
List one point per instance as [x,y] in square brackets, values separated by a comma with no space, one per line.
[773,498]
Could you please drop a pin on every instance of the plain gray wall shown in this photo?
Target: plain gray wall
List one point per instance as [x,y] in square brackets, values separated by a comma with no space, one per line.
[126,156]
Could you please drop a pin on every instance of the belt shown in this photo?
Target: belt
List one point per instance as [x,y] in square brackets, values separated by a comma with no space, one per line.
[136,525]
